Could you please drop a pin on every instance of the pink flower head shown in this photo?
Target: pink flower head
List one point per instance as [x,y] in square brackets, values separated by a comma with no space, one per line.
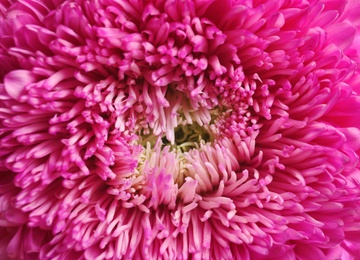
[179,129]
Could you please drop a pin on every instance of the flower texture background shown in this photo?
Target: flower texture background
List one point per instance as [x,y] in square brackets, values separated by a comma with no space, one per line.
[178,129]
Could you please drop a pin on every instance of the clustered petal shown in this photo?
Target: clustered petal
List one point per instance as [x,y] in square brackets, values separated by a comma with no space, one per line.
[182,129]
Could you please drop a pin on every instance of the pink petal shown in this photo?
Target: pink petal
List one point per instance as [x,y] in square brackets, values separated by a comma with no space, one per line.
[16,80]
[342,34]
[306,252]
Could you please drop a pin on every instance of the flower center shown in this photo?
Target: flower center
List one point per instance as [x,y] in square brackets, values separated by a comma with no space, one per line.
[189,136]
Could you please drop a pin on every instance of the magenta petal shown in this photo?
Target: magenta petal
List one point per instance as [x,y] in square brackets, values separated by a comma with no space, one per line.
[351,12]
[16,80]
[353,137]
[306,252]
[345,113]
[13,248]
[342,34]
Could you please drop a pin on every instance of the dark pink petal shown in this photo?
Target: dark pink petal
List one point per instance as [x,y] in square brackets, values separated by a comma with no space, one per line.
[305,251]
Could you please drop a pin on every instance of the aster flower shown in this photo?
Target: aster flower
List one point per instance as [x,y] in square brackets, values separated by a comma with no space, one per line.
[179,129]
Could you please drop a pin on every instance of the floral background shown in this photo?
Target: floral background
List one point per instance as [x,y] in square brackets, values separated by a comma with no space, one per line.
[178,129]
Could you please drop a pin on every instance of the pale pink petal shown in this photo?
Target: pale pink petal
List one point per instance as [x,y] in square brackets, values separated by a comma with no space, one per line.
[16,81]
